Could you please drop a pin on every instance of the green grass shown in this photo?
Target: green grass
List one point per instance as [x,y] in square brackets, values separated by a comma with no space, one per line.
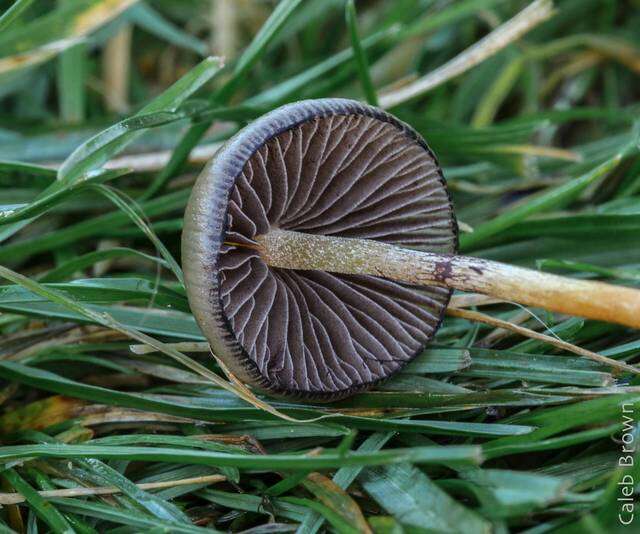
[484,432]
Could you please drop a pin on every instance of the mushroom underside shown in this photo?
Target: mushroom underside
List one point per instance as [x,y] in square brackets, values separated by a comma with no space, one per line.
[354,173]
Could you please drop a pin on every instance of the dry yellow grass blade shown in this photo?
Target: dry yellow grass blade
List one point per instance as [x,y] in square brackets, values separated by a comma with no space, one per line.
[84,23]
[16,498]
[98,14]
[507,33]
[115,68]
[36,56]
[538,151]
[493,321]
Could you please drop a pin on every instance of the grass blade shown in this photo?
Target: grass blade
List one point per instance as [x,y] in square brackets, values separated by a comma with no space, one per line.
[14,12]
[527,19]
[359,54]
[249,57]
[48,513]
[292,462]
[408,494]
[555,198]
[97,151]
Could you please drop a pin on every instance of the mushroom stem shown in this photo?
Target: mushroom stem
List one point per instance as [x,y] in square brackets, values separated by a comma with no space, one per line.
[593,300]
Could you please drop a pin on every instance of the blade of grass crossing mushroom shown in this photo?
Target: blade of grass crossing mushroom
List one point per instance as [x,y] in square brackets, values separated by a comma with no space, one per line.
[244,392]
[105,319]
[534,14]
[493,321]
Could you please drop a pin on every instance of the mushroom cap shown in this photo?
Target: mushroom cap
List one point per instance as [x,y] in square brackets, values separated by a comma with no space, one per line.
[330,167]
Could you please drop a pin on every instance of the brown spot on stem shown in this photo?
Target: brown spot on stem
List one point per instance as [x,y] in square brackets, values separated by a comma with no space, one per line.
[442,271]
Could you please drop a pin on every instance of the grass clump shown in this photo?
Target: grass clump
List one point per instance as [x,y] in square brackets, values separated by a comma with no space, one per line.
[108,110]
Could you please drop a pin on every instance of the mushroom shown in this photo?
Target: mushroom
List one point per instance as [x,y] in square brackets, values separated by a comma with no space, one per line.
[319,253]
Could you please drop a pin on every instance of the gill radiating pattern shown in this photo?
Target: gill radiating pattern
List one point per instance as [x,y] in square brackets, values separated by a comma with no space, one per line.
[348,175]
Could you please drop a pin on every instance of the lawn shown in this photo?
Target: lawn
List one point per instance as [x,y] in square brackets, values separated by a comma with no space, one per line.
[114,414]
